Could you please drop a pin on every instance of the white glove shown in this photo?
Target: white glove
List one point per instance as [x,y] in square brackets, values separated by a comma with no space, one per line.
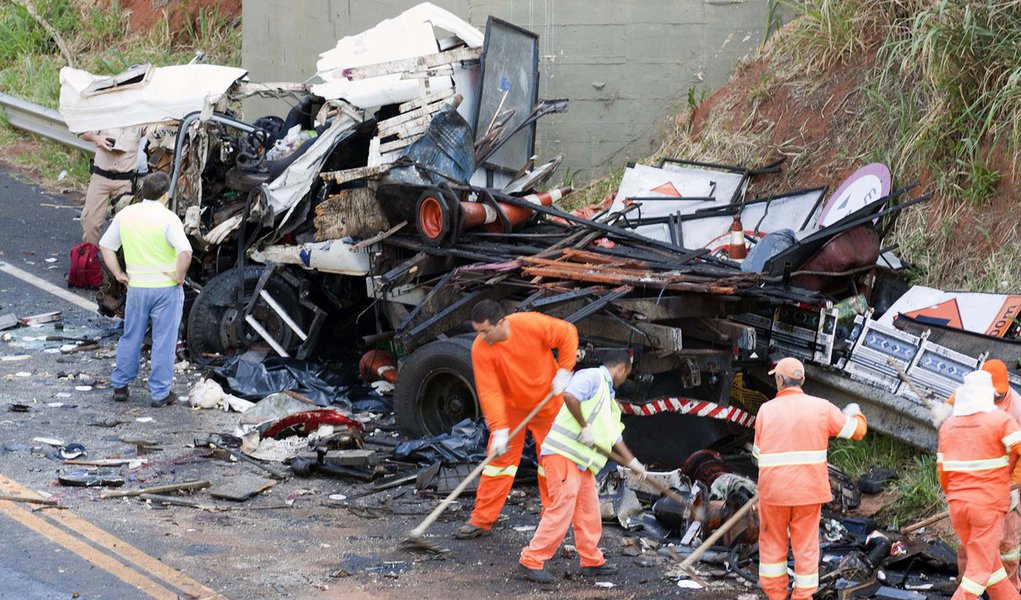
[586,437]
[636,467]
[498,441]
[1015,499]
[852,409]
[560,381]
[940,412]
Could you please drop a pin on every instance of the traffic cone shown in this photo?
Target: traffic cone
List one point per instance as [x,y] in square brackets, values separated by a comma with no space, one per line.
[738,251]
[377,364]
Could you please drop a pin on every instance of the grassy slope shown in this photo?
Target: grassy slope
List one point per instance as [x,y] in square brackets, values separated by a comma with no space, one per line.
[100,42]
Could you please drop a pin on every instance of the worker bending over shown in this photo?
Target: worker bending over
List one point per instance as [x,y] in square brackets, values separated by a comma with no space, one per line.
[792,434]
[512,358]
[589,420]
[978,448]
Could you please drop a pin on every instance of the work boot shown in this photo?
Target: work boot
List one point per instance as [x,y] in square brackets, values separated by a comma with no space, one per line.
[536,575]
[599,570]
[121,394]
[164,401]
[469,532]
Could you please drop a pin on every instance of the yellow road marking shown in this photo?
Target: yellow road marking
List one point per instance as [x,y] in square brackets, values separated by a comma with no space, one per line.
[105,541]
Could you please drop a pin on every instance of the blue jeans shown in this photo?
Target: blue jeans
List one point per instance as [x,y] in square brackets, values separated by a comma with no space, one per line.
[162,307]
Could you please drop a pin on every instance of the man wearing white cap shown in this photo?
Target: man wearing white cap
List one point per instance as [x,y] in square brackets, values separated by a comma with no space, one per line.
[978,448]
[792,433]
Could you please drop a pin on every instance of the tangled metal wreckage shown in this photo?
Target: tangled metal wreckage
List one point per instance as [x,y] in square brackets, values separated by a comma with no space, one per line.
[402,188]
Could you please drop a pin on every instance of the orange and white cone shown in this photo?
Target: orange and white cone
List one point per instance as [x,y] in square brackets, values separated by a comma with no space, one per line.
[377,364]
[737,251]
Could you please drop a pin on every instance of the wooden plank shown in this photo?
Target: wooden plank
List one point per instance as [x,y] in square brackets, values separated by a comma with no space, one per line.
[397,145]
[423,111]
[28,500]
[160,489]
[242,488]
[350,175]
[413,64]
[409,128]
[426,100]
[355,212]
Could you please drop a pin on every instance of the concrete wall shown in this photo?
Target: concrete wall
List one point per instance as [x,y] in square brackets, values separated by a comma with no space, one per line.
[626,65]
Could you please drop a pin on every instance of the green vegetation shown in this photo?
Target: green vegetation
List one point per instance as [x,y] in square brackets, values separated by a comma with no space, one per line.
[918,491]
[101,41]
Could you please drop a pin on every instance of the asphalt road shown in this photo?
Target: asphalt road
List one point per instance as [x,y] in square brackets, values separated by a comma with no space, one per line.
[292,541]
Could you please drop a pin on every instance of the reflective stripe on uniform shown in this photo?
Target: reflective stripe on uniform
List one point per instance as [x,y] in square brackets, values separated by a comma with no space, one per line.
[541,471]
[567,451]
[493,471]
[997,576]
[1012,556]
[973,465]
[755,451]
[772,569]
[809,581]
[971,587]
[785,459]
[849,428]
[1011,439]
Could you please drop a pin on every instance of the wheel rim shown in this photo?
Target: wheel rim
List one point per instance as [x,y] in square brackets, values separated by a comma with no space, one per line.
[446,398]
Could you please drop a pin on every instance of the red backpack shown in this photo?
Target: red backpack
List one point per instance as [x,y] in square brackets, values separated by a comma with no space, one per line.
[86,272]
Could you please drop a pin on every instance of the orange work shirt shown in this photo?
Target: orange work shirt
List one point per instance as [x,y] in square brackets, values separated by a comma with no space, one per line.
[975,457]
[792,434]
[518,372]
[1011,404]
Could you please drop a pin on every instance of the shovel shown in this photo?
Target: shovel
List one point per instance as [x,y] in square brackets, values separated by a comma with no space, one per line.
[416,539]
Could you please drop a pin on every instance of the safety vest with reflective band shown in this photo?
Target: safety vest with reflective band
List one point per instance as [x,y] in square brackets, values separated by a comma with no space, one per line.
[147,254]
[978,589]
[792,433]
[602,414]
[973,458]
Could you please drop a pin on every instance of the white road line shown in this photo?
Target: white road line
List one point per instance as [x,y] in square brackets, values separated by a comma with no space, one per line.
[46,286]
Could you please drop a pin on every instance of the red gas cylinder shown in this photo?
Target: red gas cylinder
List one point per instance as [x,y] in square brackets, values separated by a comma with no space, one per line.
[377,364]
[441,219]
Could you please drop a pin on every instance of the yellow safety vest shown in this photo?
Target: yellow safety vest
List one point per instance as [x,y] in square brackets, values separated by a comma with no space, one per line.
[147,254]
[602,414]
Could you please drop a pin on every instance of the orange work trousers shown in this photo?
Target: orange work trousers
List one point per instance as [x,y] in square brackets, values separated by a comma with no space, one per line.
[97,205]
[980,530]
[573,500]
[498,476]
[803,523]
[1010,549]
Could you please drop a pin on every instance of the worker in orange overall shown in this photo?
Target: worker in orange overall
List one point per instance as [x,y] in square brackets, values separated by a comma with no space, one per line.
[978,448]
[588,421]
[792,433]
[512,358]
[1007,400]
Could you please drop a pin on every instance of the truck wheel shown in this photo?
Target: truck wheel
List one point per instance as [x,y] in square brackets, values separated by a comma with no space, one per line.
[211,321]
[436,388]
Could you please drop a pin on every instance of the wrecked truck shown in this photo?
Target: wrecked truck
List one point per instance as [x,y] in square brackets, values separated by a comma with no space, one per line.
[403,186]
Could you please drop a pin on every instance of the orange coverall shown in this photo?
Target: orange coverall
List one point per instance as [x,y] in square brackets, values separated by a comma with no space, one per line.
[792,433]
[1010,545]
[975,458]
[511,378]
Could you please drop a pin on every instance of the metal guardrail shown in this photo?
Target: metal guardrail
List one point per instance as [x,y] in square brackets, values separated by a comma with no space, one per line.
[42,121]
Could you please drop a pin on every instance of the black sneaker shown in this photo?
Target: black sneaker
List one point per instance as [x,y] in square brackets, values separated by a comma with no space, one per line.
[121,394]
[600,570]
[469,532]
[164,401]
[536,575]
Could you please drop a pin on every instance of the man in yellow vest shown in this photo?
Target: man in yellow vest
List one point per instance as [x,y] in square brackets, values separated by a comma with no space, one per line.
[157,255]
[589,419]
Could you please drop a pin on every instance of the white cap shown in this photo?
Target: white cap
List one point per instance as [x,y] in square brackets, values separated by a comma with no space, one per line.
[976,395]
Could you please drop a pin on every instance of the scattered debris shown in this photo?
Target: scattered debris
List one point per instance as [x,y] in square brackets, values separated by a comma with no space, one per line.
[242,488]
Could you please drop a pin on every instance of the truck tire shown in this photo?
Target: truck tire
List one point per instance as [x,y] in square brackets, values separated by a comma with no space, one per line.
[436,388]
[209,321]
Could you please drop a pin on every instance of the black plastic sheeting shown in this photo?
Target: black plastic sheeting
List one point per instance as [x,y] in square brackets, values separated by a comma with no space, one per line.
[324,385]
[466,442]
[446,151]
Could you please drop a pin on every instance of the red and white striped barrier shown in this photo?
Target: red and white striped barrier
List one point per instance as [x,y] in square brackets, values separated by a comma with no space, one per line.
[685,406]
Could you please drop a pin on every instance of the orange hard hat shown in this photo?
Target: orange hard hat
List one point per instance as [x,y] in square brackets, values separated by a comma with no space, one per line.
[998,370]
